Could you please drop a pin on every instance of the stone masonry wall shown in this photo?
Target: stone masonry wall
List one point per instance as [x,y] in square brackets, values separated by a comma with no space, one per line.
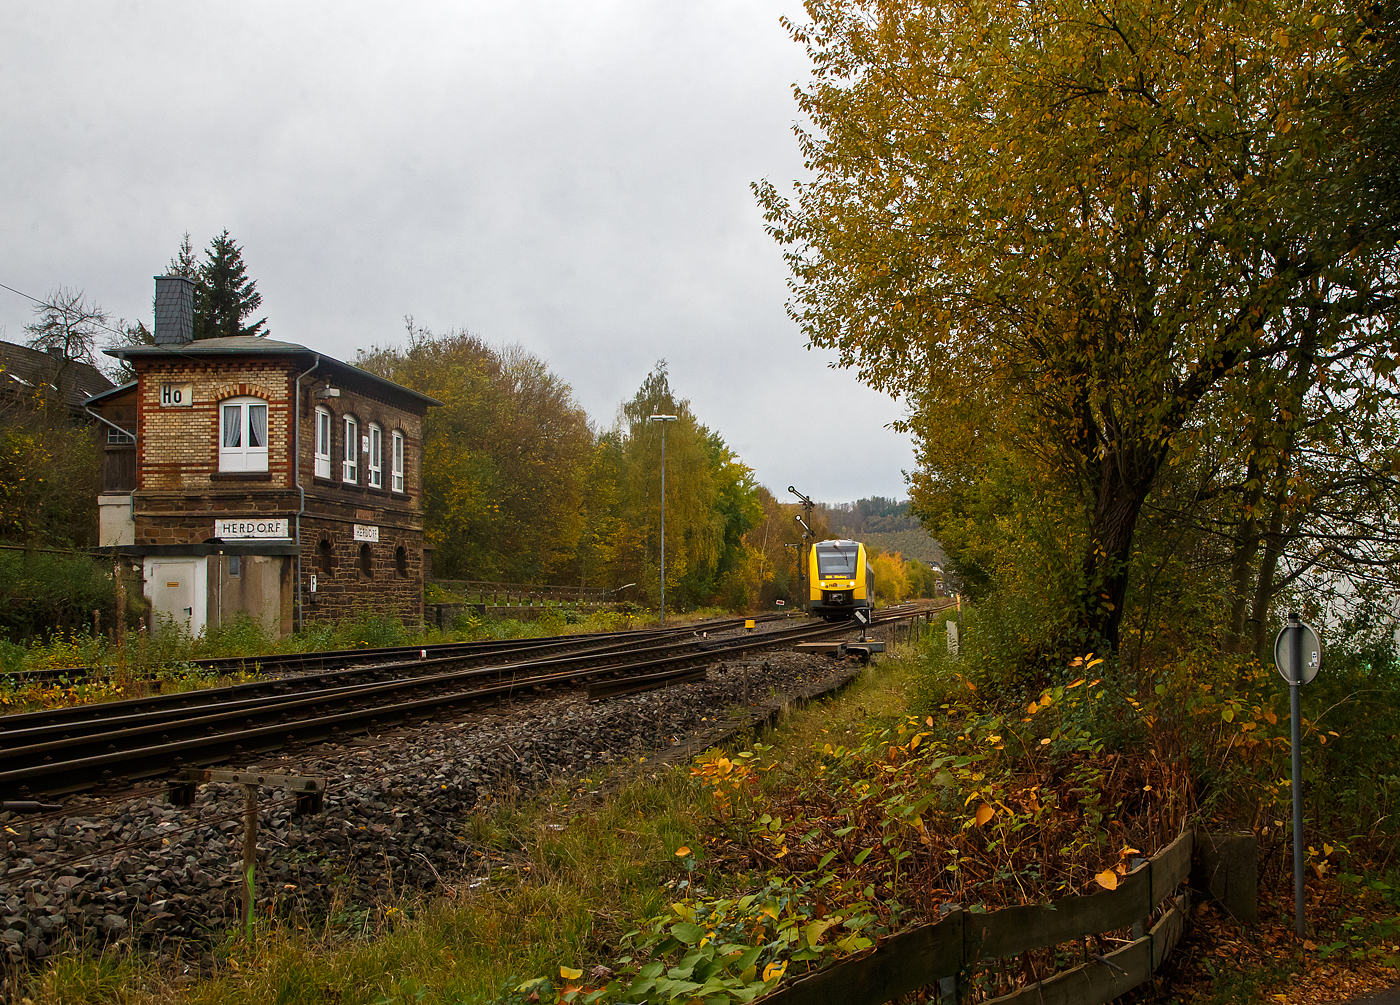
[182,492]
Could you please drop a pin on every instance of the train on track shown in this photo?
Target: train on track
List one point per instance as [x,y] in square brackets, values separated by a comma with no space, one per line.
[842,580]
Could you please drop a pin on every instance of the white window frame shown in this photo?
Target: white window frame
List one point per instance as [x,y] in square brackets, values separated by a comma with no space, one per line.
[375,466]
[396,460]
[350,465]
[323,442]
[239,456]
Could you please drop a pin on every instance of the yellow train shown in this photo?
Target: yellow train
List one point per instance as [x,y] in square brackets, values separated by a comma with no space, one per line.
[840,579]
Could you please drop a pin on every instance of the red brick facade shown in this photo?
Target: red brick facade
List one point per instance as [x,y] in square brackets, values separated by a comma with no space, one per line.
[181,490]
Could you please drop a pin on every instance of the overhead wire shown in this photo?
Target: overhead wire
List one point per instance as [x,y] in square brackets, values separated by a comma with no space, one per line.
[45,303]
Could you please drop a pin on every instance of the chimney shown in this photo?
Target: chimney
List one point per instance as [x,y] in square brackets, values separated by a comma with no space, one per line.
[174,310]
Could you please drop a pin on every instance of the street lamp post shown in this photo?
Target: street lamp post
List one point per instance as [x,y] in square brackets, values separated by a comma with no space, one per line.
[663,419]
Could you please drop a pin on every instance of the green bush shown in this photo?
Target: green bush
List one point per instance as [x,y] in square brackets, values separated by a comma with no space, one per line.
[1223,719]
[44,592]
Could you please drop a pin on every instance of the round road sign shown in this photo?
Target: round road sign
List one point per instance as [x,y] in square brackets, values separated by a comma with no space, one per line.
[1312,654]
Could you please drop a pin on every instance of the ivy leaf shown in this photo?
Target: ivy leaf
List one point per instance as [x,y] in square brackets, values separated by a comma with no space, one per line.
[687,932]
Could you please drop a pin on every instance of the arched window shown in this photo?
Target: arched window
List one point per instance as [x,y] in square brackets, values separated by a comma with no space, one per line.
[350,467]
[396,460]
[376,456]
[401,561]
[243,434]
[366,562]
[325,558]
[323,442]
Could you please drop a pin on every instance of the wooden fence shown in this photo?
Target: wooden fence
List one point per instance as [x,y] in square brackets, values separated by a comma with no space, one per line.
[937,953]
[522,594]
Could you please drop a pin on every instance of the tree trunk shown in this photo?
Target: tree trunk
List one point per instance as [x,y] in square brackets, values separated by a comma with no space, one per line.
[1264,588]
[1246,548]
[1108,554]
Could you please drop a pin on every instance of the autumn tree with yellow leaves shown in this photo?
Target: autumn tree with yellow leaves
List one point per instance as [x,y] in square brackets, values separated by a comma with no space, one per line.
[519,486]
[1101,248]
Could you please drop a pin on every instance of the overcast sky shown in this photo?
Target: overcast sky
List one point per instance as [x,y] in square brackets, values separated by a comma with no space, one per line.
[570,176]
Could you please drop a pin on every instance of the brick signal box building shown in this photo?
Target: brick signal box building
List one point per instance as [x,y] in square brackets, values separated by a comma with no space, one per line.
[259,476]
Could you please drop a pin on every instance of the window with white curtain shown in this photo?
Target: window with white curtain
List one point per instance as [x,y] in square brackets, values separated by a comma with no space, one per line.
[350,467]
[323,443]
[243,434]
[397,461]
[376,456]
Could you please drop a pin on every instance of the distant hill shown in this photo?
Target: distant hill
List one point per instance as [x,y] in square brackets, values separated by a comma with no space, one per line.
[881,523]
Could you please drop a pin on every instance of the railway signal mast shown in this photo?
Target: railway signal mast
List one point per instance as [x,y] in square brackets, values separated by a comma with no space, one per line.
[807,536]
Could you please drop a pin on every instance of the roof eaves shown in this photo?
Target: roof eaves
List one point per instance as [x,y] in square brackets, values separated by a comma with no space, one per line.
[282,349]
[352,371]
[110,393]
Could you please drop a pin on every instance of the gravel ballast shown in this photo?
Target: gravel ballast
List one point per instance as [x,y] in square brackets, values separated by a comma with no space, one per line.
[167,879]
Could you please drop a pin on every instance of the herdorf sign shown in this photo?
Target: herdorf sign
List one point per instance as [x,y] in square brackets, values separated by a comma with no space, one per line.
[367,532]
[245,528]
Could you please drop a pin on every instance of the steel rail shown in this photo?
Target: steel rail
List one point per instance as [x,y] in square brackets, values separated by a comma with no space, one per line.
[320,660]
[82,772]
[47,738]
[595,644]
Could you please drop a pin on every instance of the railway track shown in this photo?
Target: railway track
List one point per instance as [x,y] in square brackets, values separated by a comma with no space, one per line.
[82,747]
[271,664]
[361,666]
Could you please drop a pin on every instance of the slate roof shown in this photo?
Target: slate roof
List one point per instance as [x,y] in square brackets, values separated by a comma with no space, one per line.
[216,346]
[249,345]
[25,372]
[102,396]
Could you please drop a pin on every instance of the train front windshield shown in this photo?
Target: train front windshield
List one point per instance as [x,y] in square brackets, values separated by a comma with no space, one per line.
[837,563]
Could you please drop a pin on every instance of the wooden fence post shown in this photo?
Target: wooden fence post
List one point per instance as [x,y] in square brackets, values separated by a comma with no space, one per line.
[1140,927]
[310,794]
[250,854]
[1226,868]
[119,591]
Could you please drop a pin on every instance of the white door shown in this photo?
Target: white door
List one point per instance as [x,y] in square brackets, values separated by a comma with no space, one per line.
[177,590]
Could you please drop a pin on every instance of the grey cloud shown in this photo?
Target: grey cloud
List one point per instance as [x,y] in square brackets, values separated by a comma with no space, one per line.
[572,177]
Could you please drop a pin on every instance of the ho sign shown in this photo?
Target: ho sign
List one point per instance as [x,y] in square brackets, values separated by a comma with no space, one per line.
[176,395]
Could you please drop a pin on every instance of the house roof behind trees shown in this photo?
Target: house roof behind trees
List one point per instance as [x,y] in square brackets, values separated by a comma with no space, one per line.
[26,372]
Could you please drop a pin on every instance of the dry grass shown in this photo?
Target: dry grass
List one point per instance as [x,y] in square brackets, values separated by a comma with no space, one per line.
[569,876]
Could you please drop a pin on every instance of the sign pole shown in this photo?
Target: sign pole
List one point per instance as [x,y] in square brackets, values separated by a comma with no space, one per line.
[1295,707]
[1294,639]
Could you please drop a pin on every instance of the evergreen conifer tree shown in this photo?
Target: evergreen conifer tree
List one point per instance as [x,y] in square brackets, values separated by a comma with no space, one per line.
[223,293]
[227,295]
[184,263]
